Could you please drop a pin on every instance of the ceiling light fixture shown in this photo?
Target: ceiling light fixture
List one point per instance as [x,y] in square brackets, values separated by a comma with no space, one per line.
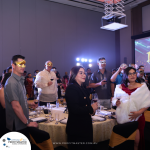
[113,10]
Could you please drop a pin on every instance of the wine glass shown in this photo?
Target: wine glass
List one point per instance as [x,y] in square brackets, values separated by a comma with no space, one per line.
[118,97]
[52,78]
[95,98]
[50,113]
[36,102]
[98,109]
[57,117]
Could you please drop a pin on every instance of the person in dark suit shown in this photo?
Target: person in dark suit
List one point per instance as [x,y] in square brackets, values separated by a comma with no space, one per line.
[79,125]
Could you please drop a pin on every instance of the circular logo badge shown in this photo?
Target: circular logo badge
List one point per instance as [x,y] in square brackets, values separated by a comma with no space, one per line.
[14,141]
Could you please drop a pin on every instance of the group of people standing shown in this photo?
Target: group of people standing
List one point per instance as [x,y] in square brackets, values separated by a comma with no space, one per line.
[130,96]
[126,88]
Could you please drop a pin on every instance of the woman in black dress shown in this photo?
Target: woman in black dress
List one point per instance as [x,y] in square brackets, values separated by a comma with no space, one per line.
[79,126]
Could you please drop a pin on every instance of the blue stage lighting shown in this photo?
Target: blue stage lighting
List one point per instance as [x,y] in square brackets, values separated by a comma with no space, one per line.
[77,59]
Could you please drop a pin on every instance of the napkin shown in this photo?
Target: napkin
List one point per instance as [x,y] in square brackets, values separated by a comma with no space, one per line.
[97,118]
[38,119]
[32,113]
[53,105]
[64,121]
[105,112]
[60,108]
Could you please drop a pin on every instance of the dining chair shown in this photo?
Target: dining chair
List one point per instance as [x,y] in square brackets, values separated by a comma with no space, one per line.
[40,139]
[123,136]
[147,129]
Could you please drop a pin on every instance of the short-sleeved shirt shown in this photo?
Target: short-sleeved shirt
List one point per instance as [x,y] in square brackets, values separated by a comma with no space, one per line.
[119,79]
[15,90]
[103,92]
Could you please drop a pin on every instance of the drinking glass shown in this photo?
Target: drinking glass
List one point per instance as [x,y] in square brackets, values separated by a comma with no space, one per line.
[98,109]
[48,105]
[50,114]
[57,104]
[57,116]
[38,111]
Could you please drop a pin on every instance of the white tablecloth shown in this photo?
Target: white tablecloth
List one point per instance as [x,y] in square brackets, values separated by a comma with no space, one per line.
[101,130]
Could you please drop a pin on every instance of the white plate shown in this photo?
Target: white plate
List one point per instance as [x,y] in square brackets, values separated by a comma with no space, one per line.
[64,121]
[38,119]
[32,113]
[53,104]
[98,118]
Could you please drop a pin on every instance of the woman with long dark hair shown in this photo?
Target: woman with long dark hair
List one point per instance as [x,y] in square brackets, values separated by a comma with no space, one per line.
[2,106]
[132,99]
[79,125]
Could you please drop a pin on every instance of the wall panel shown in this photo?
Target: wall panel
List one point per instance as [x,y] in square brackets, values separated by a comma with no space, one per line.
[28,33]
[42,30]
[11,25]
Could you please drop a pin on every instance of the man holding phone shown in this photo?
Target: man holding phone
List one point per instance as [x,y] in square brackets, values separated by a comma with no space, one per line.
[100,80]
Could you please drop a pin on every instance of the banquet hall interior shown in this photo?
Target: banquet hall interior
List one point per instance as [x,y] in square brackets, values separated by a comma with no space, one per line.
[70,33]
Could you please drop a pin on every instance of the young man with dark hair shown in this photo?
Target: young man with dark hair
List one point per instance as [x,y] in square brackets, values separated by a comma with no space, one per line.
[141,66]
[140,75]
[17,113]
[100,80]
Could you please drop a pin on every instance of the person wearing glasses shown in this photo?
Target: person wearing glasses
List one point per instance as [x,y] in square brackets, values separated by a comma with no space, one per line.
[132,99]
[79,127]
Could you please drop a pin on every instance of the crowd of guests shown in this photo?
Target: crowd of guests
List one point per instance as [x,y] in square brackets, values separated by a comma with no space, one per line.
[123,87]
[32,90]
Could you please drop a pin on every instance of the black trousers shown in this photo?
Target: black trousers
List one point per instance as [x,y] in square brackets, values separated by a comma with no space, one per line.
[25,132]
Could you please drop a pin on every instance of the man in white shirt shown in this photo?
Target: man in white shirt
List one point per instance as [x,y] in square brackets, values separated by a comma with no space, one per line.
[46,82]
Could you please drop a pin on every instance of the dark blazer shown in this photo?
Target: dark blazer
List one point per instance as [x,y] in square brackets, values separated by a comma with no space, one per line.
[79,107]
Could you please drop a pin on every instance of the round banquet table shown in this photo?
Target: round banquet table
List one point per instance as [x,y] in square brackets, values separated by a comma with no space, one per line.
[101,130]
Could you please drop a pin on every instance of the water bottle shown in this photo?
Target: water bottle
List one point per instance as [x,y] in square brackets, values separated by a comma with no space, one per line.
[57,104]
